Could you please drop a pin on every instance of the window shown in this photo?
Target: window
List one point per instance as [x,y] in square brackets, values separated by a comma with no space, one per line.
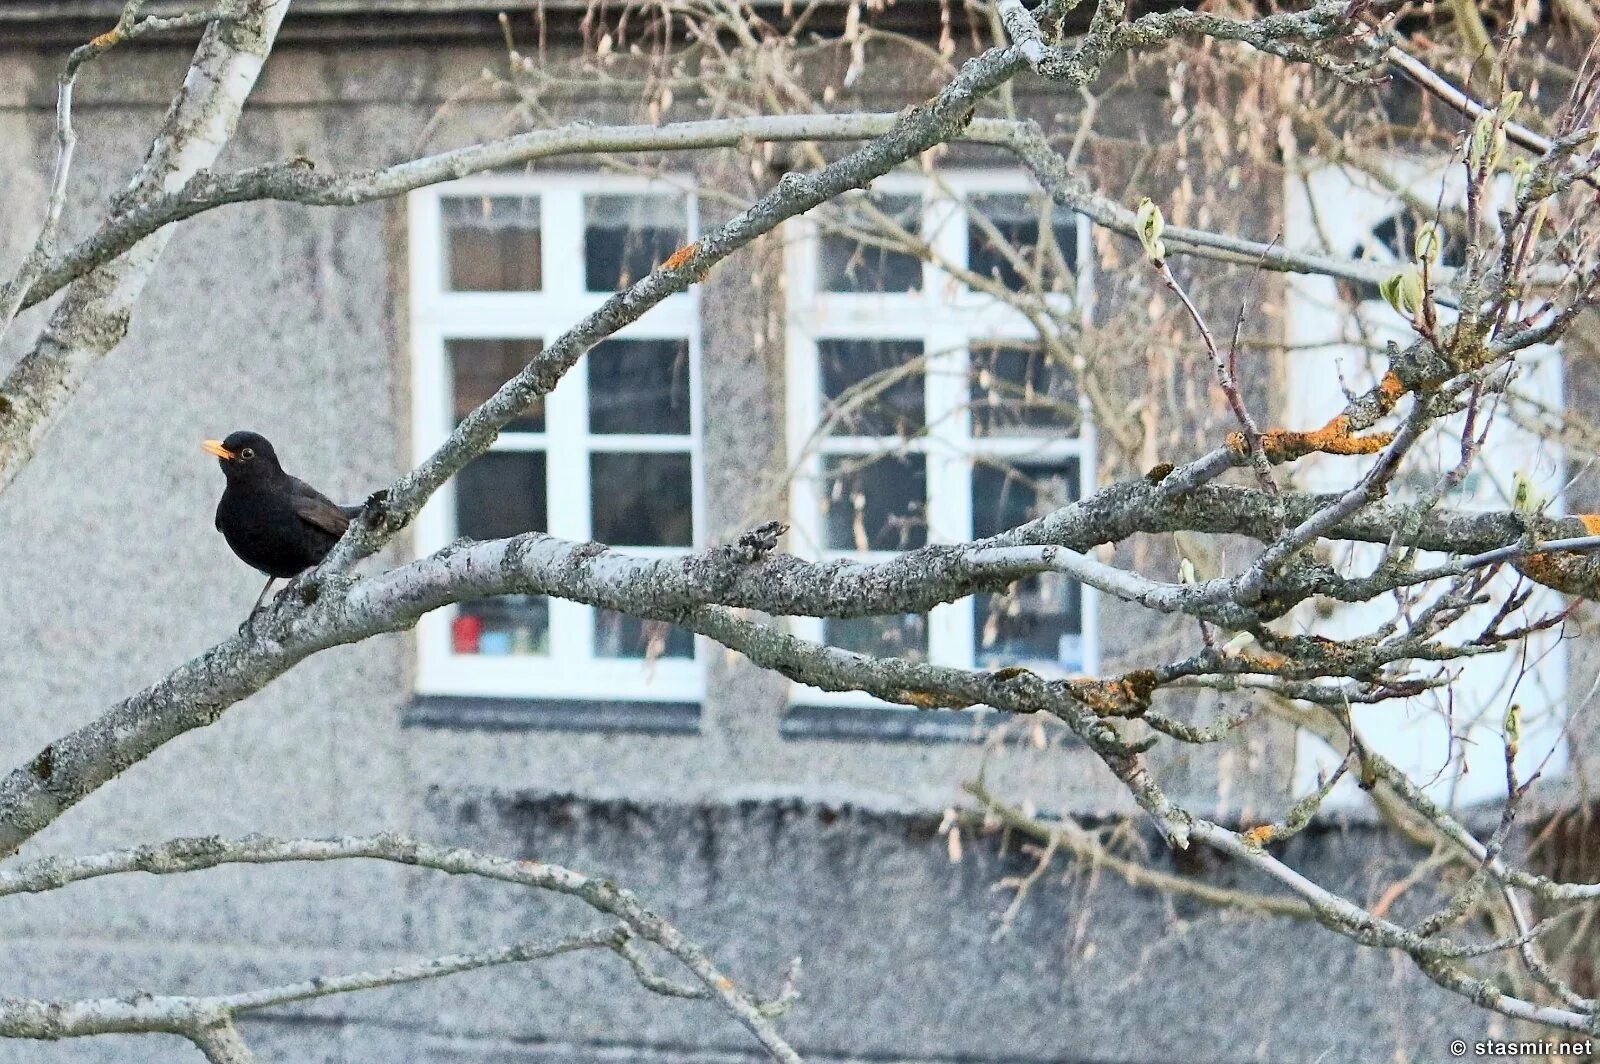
[1337,335]
[922,409]
[501,266]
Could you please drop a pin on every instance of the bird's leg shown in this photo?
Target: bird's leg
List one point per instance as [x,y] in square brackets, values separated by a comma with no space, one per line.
[262,597]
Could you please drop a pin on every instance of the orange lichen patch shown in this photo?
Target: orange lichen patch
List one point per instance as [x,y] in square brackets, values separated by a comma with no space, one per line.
[1260,835]
[1266,660]
[1128,696]
[1567,572]
[1282,445]
[1390,389]
[930,700]
[106,39]
[681,256]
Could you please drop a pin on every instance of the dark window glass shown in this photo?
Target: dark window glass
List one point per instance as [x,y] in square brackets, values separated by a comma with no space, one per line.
[510,624]
[492,243]
[1039,619]
[625,237]
[501,494]
[642,500]
[875,503]
[617,635]
[1011,237]
[1005,496]
[639,386]
[848,260]
[479,367]
[872,387]
[901,636]
[1020,392]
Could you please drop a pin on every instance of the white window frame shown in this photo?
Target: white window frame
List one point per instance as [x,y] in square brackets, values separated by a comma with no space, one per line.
[948,317]
[1331,210]
[570,670]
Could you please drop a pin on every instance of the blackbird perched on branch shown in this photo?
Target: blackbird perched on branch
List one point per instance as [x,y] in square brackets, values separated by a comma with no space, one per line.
[275,523]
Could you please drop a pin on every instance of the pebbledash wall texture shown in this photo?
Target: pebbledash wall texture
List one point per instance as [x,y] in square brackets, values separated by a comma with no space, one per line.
[762,842]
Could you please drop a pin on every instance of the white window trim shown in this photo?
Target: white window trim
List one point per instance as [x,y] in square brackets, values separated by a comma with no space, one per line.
[947,317]
[570,670]
[1322,360]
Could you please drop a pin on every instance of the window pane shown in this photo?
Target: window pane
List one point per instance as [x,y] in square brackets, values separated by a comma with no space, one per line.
[617,635]
[479,367]
[875,502]
[642,500]
[872,387]
[846,262]
[1015,220]
[1039,620]
[501,494]
[903,636]
[1005,496]
[639,386]
[625,237]
[511,624]
[492,243]
[1020,392]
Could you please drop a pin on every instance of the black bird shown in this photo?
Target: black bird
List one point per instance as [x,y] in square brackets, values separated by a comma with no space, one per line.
[274,522]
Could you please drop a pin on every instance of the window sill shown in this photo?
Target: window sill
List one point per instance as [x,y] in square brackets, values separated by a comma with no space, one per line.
[552,714]
[883,724]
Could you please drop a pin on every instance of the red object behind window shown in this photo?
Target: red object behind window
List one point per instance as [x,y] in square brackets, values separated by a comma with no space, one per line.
[464,633]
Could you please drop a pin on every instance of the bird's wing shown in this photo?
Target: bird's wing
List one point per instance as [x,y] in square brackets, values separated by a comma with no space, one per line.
[317,509]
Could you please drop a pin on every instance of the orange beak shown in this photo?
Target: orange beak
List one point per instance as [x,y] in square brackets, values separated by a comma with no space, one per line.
[216,448]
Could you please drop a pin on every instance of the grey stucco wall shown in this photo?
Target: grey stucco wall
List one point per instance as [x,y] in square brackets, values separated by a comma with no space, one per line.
[901,959]
[292,322]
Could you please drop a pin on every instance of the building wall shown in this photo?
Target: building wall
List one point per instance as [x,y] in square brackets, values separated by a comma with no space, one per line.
[292,321]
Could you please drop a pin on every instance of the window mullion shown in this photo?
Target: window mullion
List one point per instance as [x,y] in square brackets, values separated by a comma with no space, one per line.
[567,419]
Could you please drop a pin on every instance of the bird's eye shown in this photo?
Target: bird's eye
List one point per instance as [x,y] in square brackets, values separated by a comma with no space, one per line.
[247,454]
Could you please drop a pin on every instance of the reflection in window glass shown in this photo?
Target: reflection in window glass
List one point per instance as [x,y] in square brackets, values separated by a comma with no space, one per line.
[901,636]
[872,387]
[617,635]
[1040,619]
[642,500]
[501,494]
[1037,620]
[1005,496]
[479,367]
[875,502]
[625,237]
[496,627]
[492,243]
[639,386]
[1019,391]
[848,260]
[1008,247]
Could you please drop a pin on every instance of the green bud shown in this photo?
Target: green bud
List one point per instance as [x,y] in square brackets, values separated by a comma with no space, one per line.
[1524,499]
[1429,243]
[1403,291]
[1151,226]
[1486,144]
[1522,170]
[1513,727]
[1509,104]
